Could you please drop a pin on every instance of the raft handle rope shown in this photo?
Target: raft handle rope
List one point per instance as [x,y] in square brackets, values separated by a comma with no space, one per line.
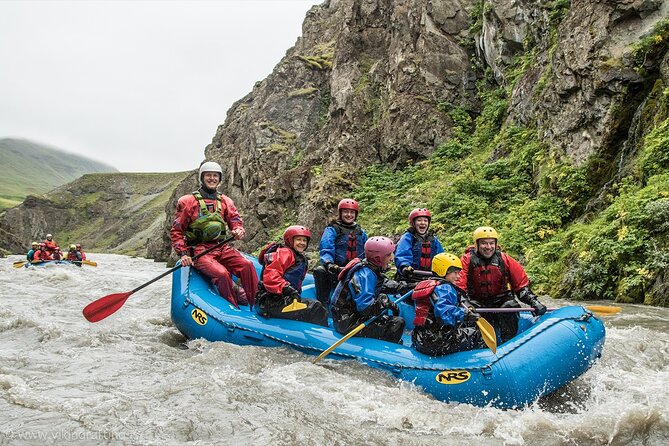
[395,368]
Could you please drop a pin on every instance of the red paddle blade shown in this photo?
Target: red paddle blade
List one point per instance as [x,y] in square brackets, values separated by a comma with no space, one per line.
[105,306]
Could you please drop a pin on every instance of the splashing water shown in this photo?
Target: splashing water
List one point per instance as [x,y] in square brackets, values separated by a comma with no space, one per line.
[133,379]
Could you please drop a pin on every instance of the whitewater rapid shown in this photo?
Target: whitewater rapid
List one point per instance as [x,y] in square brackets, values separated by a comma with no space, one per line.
[134,379]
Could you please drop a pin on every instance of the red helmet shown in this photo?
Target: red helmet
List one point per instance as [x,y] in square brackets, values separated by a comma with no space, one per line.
[377,248]
[293,231]
[348,203]
[78,245]
[419,212]
[42,245]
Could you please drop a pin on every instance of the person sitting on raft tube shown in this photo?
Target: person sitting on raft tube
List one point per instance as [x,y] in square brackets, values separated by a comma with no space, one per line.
[81,251]
[199,223]
[442,325]
[53,248]
[359,295]
[342,241]
[493,279]
[73,255]
[42,255]
[31,253]
[284,269]
[417,246]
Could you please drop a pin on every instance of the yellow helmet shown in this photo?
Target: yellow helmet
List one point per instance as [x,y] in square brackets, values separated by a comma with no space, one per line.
[485,232]
[34,244]
[442,262]
[73,247]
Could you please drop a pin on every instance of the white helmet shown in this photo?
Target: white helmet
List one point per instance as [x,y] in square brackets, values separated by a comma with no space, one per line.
[49,235]
[209,166]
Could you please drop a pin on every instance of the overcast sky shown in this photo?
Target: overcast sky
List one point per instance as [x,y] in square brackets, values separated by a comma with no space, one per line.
[139,85]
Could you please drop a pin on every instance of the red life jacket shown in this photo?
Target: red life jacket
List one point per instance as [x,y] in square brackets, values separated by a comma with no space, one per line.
[51,245]
[265,255]
[487,280]
[349,266]
[422,295]
[352,234]
[41,255]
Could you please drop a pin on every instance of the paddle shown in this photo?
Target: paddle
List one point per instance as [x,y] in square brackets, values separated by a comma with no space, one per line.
[488,334]
[87,262]
[108,305]
[353,332]
[600,310]
[295,306]
[19,264]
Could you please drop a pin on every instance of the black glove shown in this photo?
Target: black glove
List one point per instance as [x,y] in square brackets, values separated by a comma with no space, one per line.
[393,287]
[332,268]
[407,270]
[539,308]
[289,291]
[528,297]
[471,316]
[386,303]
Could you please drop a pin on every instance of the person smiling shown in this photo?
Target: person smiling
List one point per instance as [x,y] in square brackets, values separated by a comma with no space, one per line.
[199,223]
[343,240]
[284,268]
[417,246]
[493,278]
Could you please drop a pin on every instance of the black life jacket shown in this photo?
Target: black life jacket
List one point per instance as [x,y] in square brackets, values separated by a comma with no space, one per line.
[341,299]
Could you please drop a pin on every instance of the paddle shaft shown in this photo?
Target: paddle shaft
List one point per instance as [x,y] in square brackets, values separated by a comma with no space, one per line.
[109,304]
[352,333]
[600,310]
[507,310]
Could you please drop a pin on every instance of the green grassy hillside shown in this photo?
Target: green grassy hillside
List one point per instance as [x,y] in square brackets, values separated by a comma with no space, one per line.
[28,168]
[117,213]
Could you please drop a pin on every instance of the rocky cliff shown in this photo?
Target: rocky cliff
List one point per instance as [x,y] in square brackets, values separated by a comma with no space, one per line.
[362,85]
[389,82]
[547,119]
[369,81]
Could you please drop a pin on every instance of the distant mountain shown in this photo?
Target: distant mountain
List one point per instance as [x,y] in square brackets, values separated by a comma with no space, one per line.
[29,168]
[122,213]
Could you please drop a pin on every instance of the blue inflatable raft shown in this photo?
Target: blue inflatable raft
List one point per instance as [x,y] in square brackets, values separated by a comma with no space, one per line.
[547,353]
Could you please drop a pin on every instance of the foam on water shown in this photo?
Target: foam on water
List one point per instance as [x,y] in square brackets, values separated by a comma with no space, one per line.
[133,379]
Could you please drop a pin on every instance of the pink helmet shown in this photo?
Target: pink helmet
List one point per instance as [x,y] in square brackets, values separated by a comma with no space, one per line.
[348,203]
[419,212]
[293,231]
[377,248]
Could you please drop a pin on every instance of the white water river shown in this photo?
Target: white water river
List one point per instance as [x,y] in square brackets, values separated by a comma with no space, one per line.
[133,379]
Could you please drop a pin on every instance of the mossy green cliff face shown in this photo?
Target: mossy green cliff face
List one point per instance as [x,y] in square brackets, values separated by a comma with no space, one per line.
[118,213]
[544,119]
